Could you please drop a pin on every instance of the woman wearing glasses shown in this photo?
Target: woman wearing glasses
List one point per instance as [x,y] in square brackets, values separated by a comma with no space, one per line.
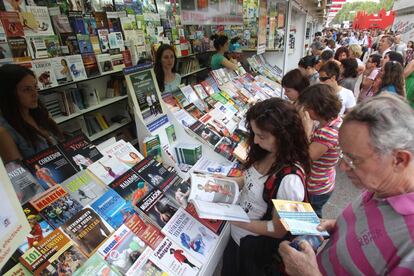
[25,126]
[320,103]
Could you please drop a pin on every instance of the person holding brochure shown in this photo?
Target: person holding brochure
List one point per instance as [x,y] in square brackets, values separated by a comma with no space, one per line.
[165,69]
[374,234]
[26,127]
[276,166]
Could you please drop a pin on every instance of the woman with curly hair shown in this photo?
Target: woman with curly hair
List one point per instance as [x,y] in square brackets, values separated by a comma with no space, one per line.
[276,166]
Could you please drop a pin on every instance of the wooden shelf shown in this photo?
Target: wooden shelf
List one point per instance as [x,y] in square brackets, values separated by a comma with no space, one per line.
[194,72]
[61,119]
[112,128]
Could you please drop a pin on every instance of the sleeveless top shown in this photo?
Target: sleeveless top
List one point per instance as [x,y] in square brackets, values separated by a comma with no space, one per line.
[25,148]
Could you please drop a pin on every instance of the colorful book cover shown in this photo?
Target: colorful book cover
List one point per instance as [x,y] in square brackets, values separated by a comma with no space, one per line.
[131,187]
[226,148]
[173,259]
[170,131]
[69,44]
[103,39]
[76,22]
[76,5]
[29,23]
[13,6]
[152,147]
[37,46]
[91,64]
[61,24]
[24,184]
[144,266]
[158,207]
[95,44]
[114,23]
[18,270]
[60,66]
[45,75]
[50,167]
[11,23]
[56,206]
[145,230]
[124,152]
[83,188]
[207,133]
[19,50]
[101,20]
[214,225]
[87,229]
[116,41]
[122,249]
[152,171]
[104,63]
[77,70]
[80,151]
[44,25]
[113,208]
[190,234]
[133,6]
[96,266]
[54,253]
[84,42]
[90,24]
[107,5]
[107,169]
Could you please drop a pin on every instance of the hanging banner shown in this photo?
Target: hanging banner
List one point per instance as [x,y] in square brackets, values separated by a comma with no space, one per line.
[213,12]
[261,33]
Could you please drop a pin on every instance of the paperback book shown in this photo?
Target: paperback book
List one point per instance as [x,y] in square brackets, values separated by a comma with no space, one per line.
[107,169]
[19,50]
[61,68]
[96,266]
[75,64]
[91,64]
[11,24]
[124,152]
[44,73]
[43,23]
[145,230]
[214,225]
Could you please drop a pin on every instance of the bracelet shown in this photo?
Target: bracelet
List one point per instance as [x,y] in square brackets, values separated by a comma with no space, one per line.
[270,226]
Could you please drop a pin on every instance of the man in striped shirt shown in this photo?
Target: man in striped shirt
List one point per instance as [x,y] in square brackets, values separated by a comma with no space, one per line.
[374,235]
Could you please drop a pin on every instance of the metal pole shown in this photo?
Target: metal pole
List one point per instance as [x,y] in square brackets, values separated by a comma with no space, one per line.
[287,32]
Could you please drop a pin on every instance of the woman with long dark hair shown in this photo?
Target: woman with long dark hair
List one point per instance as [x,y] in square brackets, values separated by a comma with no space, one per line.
[218,60]
[165,69]
[393,78]
[276,168]
[25,126]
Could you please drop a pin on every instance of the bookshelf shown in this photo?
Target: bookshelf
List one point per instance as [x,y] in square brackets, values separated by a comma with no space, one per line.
[112,128]
[194,72]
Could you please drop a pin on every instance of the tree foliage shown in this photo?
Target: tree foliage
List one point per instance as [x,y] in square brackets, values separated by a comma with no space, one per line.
[345,13]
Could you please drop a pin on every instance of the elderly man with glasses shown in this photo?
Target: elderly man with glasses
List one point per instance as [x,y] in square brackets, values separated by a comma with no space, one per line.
[374,235]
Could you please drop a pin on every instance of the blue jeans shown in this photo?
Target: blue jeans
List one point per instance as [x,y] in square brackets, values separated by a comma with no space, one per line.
[317,202]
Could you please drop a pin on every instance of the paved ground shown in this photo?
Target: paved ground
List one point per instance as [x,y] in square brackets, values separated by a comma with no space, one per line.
[344,193]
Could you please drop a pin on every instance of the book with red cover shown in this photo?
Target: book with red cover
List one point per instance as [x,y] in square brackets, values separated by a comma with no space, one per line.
[11,24]
[214,225]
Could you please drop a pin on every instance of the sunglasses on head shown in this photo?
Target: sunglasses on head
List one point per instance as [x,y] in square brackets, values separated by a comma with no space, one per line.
[324,78]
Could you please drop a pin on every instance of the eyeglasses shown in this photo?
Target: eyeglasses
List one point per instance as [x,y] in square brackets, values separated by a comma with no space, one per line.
[324,78]
[348,160]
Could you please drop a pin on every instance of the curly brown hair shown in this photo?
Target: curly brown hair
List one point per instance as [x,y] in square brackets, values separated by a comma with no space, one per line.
[322,99]
[281,119]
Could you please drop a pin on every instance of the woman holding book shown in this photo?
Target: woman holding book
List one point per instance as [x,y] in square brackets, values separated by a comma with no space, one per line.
[26,127]
[218,60]
[165,69]
[276,166]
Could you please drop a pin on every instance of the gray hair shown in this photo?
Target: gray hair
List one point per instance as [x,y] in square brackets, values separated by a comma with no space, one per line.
[390,121]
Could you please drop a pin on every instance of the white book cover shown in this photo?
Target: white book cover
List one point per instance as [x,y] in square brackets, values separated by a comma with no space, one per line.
[76,68]
[207,166]
[144,267]
[37,46]
[124,152]
[107,169]
[104,63]
[116,41]
[184,118]
[211,189]
[44,25]
[190,234]
[60,66]
[103,39]
[45,74]
[173,259]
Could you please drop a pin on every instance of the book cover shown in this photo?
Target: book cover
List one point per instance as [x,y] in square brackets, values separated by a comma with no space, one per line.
[90,24]
[152,171]
[60,66]
[113,208]
[145,230]
[43,23]
[131,187]
[207,188]
[122,249]
[76,5]
[69,44]
[96,266]
[133,6]
[103,39]
[107,5]
[50,167]
[152,147]
[190,234]
[144,266]
[45,75]
[56,206]
[6,55]
[19,50]
[82,188]
[184,118]
[107,169]
[13,6]
[54,253]
[104,63]
[84,42]
[61,24]
[76,68]
[39,228]
[95,44]
[188,153]
[158,207]
[119,5]
[11,23]
[207,166]
[114,24]
[173,259]
[101,20]
[206,133]
[37,46]
[87,229]
[116,41]
[91,64]
[80,151]
[124,152]
[214,225]
[202,94]
[29,23]
[18,270]
[170,131]
[76,22]
[24,184]
[226,148]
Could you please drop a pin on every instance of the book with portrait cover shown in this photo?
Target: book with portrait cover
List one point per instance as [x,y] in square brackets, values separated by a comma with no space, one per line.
[80,151]
[54,253]
[145,230]
[96,266]
[50,167]
[107,169]
[91,65]
[44,73]
[173,259]
[56,206]
[144,266]
[11,24]
[113,208]
[90,24]
[61,68]
[131,187]
[122,249]
[103,39]
[125,152]
[24,184]
[88,230]
[195,238]
[44,25]
[83,188]
[153,171]
[101,20]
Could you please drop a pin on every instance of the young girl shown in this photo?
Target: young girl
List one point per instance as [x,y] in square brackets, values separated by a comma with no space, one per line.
[218,60]
[277,163]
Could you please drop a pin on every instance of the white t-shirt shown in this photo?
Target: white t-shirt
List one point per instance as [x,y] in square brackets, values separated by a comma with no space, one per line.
[251,197]
[347,98]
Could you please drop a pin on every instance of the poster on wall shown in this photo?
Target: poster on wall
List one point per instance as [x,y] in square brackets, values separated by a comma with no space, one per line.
[13,224]
[261,33]
[404,25]
[211,12]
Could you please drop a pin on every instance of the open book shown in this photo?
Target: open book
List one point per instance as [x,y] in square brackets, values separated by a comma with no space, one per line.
[216,198]
[298,218]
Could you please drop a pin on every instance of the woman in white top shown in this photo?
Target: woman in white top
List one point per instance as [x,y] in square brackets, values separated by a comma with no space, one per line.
[277,163]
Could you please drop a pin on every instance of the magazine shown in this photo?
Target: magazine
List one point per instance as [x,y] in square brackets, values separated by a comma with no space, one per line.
[145,230]
[298,218]
[107,169]
[173,259]
[87,229]
[216,198]
[125,152]
[190,234]
[96,266]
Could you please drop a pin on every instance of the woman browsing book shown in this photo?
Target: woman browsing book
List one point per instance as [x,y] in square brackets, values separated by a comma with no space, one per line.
[165,69]
[25,125]
[218,60]
[277,163]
